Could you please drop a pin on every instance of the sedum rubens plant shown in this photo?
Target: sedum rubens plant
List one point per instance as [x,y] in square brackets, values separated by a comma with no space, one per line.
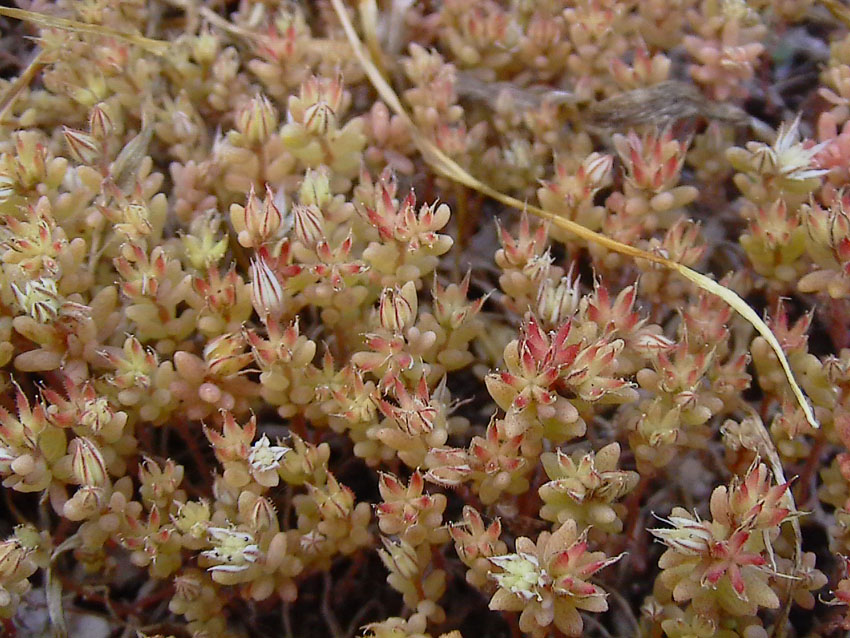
[262,355]
[583,489]
[726,46]
[828,244]
[21,555]
[544,371]
[721,566]
[494,463]
[548,581]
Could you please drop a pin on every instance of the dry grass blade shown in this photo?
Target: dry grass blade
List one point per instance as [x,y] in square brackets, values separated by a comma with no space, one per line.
[22,81]
[764,447]
[839,11]
[447,167]
[157,47]
[53,589]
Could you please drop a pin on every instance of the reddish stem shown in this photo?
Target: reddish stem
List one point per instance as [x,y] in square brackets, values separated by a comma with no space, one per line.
[196,452]
[298,425]
[837,310]
[812,462]
[633,506]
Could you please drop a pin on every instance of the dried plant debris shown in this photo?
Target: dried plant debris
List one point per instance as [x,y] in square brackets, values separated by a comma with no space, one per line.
[471,87]
[659,106]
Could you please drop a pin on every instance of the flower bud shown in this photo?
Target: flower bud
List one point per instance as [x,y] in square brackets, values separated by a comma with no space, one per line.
[316,188]
[87,464]
[259,512]
[257,120]
[100,122]
[8,187]
[266,225]
[266,292]
[321,99]
[225,355]
[397,308]
[96,414]
[834,370]
[84,148]
[596,170]
[85,503]
[319,118]
[308,224]
[205,47]
[557,303]
[400,558]
[256,223]
[12,555]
